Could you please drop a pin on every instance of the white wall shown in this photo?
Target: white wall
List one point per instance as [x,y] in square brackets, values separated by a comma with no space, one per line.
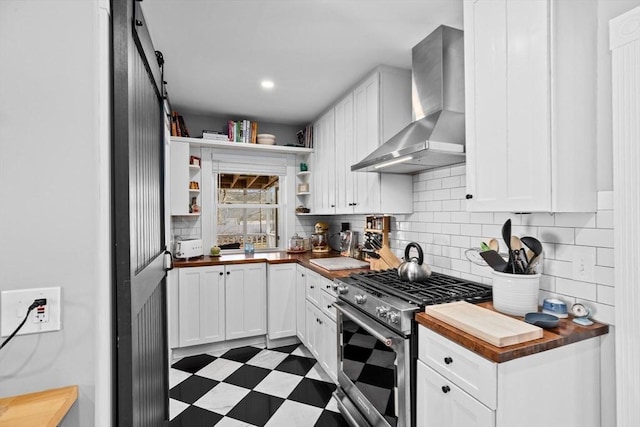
[54,193]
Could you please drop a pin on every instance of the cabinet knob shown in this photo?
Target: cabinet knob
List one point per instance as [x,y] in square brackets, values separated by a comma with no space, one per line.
[446,389]
[328,286]
[312,287]
[333,206]
[228,272]
[138,23]
[448,360]
[329,306]
[221,273]
[469,196]
[302,274]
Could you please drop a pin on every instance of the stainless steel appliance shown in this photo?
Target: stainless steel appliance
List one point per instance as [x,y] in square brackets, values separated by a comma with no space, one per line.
[437,136]
[377,341]
[320,239]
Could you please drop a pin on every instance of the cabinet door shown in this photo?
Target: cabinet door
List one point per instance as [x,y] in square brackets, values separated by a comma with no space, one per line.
[301,306]
[313,331]
[281,297]
[366,140]
[246,300]
[345,156]
[201,308]
[324,189]
[329,354]
[440,403]
[507,105]
[313,282]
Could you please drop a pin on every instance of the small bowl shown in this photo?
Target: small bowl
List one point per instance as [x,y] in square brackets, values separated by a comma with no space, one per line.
[542,319]
[266,141]
[266,135]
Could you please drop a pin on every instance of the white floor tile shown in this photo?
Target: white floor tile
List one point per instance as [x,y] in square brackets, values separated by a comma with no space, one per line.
[222,398]
[294,414]
[302,351]
[219,369]
[317,373]
[279,384]
[332,405]
[232,422]
[176,407]
[176,376]
[267,359]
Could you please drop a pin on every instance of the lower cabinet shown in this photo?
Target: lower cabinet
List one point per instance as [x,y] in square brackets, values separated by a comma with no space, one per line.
[246,300]
[457,387]
[219,303]
[201,305]
[301,306]
[321,330]
[281,300]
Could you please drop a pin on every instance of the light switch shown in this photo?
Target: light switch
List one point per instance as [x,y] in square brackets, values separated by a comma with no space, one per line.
[583,263]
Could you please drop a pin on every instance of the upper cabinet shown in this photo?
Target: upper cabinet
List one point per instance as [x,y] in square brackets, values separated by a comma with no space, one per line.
[357,124]
[530,76]
[185,179]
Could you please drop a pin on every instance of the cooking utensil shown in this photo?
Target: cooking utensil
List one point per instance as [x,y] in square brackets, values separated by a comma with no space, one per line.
[506,236]
[413,269]
[536,247]
[542,320]
[519,257]
[494,260]
[493,245]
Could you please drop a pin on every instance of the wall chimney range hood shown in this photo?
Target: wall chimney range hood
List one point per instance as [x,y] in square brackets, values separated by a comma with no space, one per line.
[437,136]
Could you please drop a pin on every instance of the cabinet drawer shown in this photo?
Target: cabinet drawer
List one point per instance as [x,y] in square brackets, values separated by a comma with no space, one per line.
[326,305]
[313,287]
[469,371]
[327,286]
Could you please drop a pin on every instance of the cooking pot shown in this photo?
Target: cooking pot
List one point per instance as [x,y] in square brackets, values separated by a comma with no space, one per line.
[413,269]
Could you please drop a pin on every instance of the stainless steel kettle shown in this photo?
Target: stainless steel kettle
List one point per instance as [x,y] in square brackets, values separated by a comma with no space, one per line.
[413,269]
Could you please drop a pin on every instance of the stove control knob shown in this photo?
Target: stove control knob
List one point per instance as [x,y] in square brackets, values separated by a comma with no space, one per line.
[382,311]
[360,299]
[393,317]
[343,289]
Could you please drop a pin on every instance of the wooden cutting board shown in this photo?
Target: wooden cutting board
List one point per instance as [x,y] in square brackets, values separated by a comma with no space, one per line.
[494,328]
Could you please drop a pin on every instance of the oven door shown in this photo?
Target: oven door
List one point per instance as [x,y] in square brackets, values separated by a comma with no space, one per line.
[373,371]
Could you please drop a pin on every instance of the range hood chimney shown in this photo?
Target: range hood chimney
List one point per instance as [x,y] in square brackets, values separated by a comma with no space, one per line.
[436,137]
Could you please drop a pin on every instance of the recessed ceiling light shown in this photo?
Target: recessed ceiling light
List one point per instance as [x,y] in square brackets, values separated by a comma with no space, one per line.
[267,84]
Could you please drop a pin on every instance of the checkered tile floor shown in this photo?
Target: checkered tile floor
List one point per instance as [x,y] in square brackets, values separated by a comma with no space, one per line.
[251,386]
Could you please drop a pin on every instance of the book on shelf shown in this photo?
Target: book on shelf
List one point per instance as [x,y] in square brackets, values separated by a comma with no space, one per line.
[305,137]
[243,131]
[215,135]
[178,126]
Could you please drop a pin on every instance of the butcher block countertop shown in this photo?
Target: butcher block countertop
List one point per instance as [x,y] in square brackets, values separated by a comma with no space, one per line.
[565,333]
[277,257]
[39,409]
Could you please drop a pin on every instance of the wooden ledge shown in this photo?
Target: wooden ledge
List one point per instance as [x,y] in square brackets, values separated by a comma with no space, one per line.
[40,409]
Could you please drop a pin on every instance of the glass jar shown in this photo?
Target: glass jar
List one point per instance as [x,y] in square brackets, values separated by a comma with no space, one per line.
[296,244]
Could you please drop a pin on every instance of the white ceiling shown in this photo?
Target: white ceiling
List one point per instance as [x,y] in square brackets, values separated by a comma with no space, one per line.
[217,51]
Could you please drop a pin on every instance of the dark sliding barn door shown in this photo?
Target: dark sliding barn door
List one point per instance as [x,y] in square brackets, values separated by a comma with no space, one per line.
[141,360]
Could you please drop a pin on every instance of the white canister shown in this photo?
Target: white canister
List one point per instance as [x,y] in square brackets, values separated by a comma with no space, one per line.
[515,294]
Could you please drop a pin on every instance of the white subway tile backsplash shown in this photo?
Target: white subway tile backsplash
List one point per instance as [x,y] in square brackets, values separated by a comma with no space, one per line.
[577,289]
[442,239]
[538,220]
[458,170]
[604,219]
[451,228]
[441,173]
[442,262]
[481,217]
[442,216]
[556,235]
[463,242]
[444,194]
[434,184]
[451,205]
[434,206]
[459,193]
[585,220]
[461,217]
[606,295]
[557,268]
[604,275]
[548,283]
[564,252]
[600,312]
[471,230]
[594,237]
[605,257]
[462,266]
[451,182]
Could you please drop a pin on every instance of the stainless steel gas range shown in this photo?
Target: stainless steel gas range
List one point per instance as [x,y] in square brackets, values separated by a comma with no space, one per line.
[377,341]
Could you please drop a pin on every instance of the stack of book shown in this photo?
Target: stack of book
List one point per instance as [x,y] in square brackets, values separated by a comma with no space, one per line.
[305,137]
[215,135]
[244,131]
[178,128]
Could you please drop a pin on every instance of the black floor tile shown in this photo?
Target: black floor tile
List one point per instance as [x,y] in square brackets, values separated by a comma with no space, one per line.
[313,392]
[331,419]
[195,417]
[256,408]
[242,354]
[286,348]
[192,389]
[247,376]
[296,365]
[193,364]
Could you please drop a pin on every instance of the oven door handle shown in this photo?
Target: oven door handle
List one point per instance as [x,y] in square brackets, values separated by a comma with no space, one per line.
[352,314]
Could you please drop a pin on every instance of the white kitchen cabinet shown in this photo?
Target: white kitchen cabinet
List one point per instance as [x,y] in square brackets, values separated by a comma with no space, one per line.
[441,403]
[313,287]
[185,179]
[355,126]
[321,329]
[530,77]
[246,300]
[281,300]
[201,305]
[301,306]
[457,387]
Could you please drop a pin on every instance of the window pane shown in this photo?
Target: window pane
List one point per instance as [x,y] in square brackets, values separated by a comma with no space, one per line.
[247,189]
[253,225]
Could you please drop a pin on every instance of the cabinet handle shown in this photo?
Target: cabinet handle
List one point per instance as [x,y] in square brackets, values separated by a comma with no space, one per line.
[448,360]
[333,206]
[469,196]
[312,287]
[328,286]
[446,389]
[228,272]
[329,306]
[221,273]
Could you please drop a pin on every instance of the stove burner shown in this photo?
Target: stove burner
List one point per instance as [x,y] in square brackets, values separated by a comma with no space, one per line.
[438,289]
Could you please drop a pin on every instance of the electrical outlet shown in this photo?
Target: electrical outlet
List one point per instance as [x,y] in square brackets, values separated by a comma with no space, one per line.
[583,264]
[14,305]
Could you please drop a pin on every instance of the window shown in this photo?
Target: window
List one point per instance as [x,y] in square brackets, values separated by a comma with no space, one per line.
[247,201]
[247,211]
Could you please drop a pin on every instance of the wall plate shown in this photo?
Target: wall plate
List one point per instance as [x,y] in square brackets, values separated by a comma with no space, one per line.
[14,305]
